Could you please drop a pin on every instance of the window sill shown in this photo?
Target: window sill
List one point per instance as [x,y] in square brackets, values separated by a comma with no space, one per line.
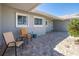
[22,26]
[38,25]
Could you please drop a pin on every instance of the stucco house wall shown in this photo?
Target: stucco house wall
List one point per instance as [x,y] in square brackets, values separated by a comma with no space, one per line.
[0,19]
[49,26]
[9,21]
[0,25]
[60,25]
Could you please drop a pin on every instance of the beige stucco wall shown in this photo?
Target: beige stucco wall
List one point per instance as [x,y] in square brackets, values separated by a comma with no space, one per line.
[0,25]
[0,18]
[49,26]
[9,21]
[36,30]
[59,25]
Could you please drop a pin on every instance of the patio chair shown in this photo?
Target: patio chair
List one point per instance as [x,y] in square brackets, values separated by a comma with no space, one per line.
[24,34]
[10,42]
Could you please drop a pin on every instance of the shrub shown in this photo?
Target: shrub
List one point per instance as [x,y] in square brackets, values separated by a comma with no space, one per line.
[73,27]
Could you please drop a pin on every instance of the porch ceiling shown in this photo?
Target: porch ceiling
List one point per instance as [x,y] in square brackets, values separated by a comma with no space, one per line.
[23,6]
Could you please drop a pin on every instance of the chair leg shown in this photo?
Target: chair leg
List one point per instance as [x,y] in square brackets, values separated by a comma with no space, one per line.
[15,50]
[4,50]
[22,49]
[22,45]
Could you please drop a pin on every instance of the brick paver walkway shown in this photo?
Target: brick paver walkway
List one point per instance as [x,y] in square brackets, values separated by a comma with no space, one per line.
[43,45]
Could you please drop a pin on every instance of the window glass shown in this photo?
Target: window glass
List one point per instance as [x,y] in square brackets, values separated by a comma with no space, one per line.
[22,20]
[38,21]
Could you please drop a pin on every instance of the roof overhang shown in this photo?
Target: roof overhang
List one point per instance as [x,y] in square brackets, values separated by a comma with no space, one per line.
[44,14]
[23,6]
[69,17]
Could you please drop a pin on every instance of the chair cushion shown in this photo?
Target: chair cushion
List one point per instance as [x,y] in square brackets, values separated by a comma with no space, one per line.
[18,43]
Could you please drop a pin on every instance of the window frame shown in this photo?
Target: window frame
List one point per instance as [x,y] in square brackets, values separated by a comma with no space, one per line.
[21,14]
[38,25]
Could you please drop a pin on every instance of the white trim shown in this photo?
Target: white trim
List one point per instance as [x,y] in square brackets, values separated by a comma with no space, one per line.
[27,25]
[38,25]
[38,17]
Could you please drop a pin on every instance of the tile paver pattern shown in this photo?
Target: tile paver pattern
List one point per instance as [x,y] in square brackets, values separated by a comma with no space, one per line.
[42,46]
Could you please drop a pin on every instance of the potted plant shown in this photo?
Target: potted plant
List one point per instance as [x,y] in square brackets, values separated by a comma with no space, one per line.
[73,29]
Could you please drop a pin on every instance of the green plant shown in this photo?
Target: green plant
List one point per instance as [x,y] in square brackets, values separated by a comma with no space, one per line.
[73,27]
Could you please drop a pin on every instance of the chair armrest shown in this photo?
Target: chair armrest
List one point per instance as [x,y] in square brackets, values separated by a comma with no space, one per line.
[29,33]
[18,40]
[12,42]
[20,36]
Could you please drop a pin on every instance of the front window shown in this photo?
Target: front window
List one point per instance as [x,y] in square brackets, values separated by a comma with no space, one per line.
[21,20]
[37,21]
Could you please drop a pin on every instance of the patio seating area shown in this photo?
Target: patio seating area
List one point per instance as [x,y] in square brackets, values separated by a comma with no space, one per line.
[40,46]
